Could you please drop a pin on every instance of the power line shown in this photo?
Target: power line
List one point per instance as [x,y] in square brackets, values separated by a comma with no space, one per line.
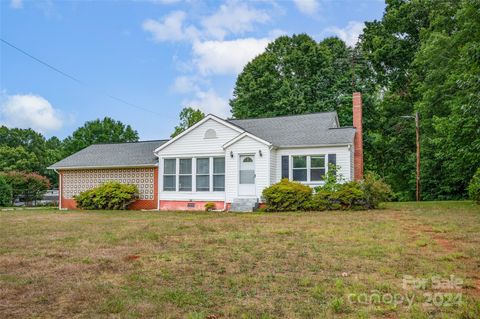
[71,77]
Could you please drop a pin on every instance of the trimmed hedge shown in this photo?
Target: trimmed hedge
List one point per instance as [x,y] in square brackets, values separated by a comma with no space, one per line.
[294,196]
[287,196]
[474,187]
[110,195]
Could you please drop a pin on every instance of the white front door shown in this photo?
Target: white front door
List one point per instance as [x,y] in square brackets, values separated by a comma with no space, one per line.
[246,173]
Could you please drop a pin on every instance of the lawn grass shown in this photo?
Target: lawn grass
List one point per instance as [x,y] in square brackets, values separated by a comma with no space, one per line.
[221,265]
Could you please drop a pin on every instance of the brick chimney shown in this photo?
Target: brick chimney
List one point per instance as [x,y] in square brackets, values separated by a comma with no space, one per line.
[358,140]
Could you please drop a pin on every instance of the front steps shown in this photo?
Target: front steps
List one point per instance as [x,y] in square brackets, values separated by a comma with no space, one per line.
[244,205]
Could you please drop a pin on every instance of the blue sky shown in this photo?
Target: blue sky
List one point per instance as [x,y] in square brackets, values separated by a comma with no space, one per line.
[159,55]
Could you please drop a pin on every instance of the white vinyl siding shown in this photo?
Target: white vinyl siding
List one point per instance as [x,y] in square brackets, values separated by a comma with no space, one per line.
[194,142]
[273,167]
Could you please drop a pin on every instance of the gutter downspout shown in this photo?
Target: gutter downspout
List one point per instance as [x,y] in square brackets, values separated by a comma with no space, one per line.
[158,182]
[59,189]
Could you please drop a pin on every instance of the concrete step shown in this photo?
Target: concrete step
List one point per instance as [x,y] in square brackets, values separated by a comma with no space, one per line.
[244,204]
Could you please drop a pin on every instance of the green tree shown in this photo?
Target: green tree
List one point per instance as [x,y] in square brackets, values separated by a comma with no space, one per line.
[27,150]
[5,192]
[17,158]
[27,186]
[296,75]
[99,131]
[188,117]
[388,48]
[446,81]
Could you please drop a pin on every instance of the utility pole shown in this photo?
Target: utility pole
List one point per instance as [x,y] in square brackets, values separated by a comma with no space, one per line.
[417,133]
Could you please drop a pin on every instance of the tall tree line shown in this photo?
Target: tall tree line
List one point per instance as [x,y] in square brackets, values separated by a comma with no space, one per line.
[423,55]
[28,151]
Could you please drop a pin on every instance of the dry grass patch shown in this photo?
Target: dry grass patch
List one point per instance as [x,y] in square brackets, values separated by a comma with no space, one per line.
[221,265]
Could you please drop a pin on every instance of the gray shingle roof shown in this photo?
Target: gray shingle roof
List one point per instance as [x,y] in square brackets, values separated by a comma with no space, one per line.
[299,130]
[112,155]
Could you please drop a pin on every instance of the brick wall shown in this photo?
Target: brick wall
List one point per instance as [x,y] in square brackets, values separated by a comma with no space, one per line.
[74,182]
[358,140]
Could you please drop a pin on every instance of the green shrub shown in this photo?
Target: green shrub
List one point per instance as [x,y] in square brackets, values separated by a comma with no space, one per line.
[341,197]
[287,196]
[349,196]
[110,195]
[375,189]
[5,192]
[367,194]
[322,200]
[28,187]
[474,187]
[210,206]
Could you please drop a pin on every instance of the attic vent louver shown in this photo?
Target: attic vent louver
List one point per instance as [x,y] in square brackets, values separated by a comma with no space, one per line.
[210,133]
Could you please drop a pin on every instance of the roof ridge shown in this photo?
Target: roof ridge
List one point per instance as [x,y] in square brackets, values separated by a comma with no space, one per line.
[271,117]
[339,128]
[136,142]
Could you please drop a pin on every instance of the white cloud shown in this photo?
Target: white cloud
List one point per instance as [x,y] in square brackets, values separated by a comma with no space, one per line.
[30,111]
[210,102]
[350,33]
[226,57]
[16,4]
[171,28]
[309,7]
[232,17]
[185,84]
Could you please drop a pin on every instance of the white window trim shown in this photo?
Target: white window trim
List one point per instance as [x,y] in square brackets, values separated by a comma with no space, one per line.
[309,158]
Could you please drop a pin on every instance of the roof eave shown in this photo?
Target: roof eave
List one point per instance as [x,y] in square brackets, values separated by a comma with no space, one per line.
[315,145]
[101,166]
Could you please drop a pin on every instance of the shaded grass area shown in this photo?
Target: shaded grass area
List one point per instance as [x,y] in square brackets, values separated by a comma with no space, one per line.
[223,265]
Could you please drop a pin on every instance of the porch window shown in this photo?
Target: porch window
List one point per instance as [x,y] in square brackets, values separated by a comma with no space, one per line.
[169,175]
[219,174]
[203,174]
[185,175]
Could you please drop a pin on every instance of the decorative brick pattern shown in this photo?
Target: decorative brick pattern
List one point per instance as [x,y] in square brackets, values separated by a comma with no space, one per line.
[76,181]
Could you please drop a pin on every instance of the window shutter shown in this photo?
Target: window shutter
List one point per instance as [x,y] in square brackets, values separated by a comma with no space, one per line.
[285,168]
[332,159]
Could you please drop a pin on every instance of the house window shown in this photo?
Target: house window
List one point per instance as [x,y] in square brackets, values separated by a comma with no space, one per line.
[169,174]
[185,175]
[299,168]
[203,174]
[317,168]
[219,174]
[309,168]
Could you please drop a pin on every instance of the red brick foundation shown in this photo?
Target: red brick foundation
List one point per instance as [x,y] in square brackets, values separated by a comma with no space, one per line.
[184,205]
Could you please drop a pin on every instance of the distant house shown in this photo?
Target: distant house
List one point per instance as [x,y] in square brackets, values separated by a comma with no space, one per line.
[227,162]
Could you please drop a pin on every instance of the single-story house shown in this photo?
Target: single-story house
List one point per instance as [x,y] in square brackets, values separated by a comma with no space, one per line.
[227,162]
